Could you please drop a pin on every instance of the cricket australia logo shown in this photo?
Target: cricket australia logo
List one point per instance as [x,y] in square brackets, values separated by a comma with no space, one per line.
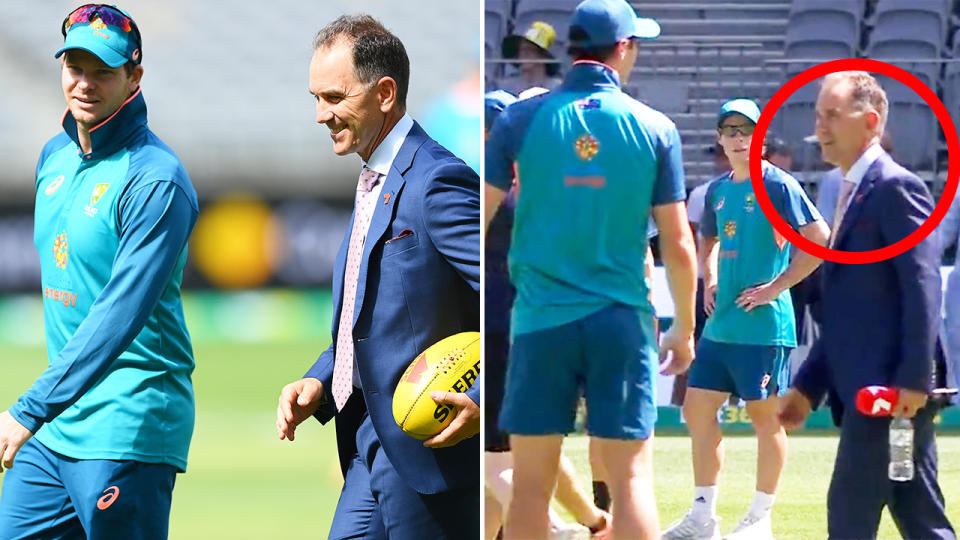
[60,251]
[730,229]
[586,147]
[98,191]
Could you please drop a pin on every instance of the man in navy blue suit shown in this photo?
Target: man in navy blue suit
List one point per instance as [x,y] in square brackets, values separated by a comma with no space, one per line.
[880,322]
[407,275]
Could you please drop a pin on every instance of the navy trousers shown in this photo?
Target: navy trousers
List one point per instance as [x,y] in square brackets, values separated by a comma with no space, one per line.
[859,488]
[376,504]
[47,495]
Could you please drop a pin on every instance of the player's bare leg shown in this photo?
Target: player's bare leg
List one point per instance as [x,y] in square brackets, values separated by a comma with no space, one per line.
[573,498]
[492,515]
[700,408]
[635,515]
[706,440]
[498,472]
[771,443]
[601,492]
[771,456]
[536,461]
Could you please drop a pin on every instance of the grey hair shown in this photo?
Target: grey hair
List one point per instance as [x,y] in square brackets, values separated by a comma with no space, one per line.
[866,93]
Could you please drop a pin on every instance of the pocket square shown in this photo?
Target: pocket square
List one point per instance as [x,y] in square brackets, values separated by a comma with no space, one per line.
[403,234]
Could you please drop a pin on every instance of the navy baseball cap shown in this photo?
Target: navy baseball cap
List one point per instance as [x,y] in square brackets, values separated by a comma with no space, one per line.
[106,31]
[605,22]
[743,106]
[494,102]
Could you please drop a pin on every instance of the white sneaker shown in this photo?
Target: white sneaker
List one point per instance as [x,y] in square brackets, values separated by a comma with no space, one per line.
[688,528]
[570,531]
[752,528]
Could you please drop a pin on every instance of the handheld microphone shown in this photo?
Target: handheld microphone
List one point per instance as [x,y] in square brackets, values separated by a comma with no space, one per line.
[877,400]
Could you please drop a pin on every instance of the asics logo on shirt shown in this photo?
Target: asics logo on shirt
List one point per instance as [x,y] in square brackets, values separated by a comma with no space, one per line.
[54,186]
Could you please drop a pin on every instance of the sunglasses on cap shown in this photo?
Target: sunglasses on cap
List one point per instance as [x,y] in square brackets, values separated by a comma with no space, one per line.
[731,130]
[107,14]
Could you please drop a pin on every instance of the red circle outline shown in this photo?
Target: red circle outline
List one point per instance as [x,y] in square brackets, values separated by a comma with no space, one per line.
[873,66]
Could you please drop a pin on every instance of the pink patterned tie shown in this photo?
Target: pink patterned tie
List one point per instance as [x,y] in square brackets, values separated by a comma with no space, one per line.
[363,211]
[846,189]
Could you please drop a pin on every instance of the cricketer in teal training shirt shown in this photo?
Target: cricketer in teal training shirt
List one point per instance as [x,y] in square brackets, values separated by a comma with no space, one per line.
[99,437]
[752,252]
[111,229]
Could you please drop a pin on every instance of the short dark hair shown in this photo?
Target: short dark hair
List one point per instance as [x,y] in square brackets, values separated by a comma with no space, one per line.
[376,52]
[597,54]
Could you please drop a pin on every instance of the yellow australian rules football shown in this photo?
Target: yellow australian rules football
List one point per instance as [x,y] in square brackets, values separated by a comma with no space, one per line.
[452,365]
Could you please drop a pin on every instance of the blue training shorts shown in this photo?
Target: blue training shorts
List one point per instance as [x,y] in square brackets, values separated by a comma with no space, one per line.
[49,495]
[752,372]
[609,356]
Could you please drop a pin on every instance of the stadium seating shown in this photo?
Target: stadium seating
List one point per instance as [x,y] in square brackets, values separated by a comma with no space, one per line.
[911,124]
[822,34]
[712,50]
[496,13]
[924,20]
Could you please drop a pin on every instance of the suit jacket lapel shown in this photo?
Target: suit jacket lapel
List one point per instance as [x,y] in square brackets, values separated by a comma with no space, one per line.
[383,209]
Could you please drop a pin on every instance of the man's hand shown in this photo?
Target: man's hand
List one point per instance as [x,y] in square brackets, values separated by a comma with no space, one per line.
[758,295]
[12,437]
[298,401]
[709,298]
[676,351]
[794,408]
[909,402]
[465,424]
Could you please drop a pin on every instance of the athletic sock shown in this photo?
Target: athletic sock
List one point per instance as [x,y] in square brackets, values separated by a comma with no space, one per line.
[601,496]
[704,503]
[762,504]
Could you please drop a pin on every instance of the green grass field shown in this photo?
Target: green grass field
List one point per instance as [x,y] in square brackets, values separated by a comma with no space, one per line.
[242,482]
[800,511]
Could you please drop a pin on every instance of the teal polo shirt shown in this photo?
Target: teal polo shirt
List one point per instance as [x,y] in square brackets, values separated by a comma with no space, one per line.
[591,162]
[752,252]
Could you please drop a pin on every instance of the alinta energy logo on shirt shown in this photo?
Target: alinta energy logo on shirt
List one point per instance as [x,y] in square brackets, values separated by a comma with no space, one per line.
[60,250]
[98,191]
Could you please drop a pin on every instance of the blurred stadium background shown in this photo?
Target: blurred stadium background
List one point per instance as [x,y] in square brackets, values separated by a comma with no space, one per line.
[710,51]
[226,88]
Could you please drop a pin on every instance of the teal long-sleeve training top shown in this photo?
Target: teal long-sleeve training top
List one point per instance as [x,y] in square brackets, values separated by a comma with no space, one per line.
[111,228]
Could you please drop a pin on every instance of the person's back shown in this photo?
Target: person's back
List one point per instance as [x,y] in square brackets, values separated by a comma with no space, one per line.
[591,165]
[587,162]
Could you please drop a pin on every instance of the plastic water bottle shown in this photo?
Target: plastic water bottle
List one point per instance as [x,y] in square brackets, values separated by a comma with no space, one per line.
[901,450]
